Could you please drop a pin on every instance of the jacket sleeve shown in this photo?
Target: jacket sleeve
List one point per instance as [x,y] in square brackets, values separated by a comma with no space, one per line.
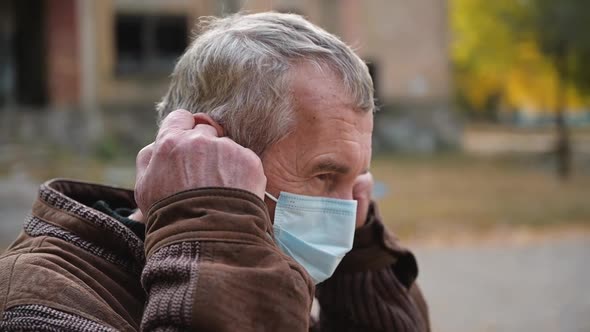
[212,265]
[374,287]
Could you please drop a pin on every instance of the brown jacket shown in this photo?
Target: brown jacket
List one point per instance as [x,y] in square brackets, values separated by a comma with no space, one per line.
[208,262]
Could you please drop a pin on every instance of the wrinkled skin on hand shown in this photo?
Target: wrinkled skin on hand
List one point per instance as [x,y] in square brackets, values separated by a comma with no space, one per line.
[190,152]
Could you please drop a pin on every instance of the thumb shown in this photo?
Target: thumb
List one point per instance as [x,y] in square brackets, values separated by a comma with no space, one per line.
[361,192]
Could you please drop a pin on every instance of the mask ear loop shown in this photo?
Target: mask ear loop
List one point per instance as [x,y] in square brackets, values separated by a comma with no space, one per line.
[271,197]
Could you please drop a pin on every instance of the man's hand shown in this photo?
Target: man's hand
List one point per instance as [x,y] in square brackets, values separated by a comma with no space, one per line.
[363,187]
[189,153]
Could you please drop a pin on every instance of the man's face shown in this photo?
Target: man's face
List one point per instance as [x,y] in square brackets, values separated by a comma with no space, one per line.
[329,146]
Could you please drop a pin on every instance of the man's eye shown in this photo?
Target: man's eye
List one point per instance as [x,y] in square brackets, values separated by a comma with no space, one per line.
[327,181]
[325,177]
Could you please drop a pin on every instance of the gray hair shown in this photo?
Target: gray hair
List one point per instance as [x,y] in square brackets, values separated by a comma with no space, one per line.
[236,71]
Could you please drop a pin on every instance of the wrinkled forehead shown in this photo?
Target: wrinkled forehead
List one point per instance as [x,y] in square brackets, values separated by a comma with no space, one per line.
[355,90]
[327,123]
[317,86]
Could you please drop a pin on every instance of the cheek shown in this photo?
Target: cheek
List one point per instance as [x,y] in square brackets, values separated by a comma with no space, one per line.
[345,189]
[281,179]
[282,174]
[310,187]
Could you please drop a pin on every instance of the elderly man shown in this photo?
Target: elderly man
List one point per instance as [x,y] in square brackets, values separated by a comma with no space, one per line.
[244,210]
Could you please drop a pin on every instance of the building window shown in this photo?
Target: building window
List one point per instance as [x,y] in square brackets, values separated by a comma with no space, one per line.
[374,72]
[149,44]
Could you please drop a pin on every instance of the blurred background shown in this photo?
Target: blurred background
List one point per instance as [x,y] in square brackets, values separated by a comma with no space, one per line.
[481,144]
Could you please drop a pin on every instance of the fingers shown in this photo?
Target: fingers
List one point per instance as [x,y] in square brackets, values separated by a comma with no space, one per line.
[205,130]
[202,118]
[176,121]
[361,192]
[144,155]
[179,124]
[182,120]
[143,159]
[137,216]
[363,186]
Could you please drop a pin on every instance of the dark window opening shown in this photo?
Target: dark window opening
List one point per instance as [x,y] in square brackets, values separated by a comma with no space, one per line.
[23,71]
[149,44]
[171,37]
[375,77]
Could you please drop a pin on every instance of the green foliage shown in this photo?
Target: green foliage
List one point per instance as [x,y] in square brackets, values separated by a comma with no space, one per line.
[506,53]
[562,32]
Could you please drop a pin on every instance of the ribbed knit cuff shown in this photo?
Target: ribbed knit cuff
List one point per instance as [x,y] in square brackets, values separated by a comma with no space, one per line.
[368,251]
[375,248]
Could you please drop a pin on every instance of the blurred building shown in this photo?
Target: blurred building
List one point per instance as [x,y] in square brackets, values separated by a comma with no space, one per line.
[87,55]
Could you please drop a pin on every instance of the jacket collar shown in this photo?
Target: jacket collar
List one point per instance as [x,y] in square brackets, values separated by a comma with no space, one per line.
[63,210]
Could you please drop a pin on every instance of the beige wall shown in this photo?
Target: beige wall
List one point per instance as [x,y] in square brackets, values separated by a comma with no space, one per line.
[407,41]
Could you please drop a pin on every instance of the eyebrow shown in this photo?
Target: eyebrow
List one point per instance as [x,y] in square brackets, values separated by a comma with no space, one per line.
[331,166]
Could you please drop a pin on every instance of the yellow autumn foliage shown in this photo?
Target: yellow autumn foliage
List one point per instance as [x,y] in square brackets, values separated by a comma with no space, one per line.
[490,60]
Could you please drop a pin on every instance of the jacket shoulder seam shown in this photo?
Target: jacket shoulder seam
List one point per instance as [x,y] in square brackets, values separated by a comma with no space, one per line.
[31,249]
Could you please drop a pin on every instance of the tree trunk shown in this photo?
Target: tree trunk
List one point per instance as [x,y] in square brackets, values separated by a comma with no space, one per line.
[563,146]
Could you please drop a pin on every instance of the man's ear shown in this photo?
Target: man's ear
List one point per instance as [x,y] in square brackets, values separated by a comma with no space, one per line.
[202,118]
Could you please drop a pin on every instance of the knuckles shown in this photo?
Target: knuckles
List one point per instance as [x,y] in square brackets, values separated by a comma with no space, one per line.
[166,144]
[252,159]
[235,166]
[173,144]
[144,155]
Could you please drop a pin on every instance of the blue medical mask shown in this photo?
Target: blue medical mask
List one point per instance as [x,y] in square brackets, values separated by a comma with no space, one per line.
[315,231]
